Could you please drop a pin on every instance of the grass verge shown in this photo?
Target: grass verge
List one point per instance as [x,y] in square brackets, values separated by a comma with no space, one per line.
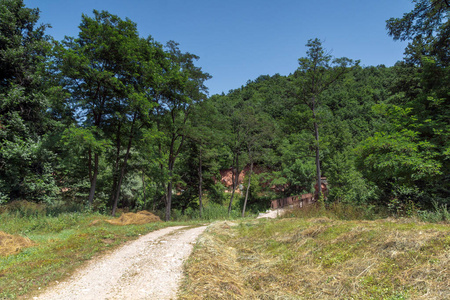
[320,258]
[61,244]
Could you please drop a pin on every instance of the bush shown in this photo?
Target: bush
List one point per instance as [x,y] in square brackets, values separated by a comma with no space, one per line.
[211,211]
[440,214]
[23,208]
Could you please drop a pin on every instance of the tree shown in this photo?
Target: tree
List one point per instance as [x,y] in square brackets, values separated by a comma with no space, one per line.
[230,110]
[408,158]
[140,101]
[258,131]
[316,73]
[205,134]
[183,87]
[26,120]
[98,70]
[427,26]
[347,120]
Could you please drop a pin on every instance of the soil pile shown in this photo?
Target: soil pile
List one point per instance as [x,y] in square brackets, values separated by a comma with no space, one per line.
[11,244]
[142,217]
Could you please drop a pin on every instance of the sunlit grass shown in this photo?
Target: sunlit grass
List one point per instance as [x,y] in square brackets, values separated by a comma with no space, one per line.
[62,243]
[320,258]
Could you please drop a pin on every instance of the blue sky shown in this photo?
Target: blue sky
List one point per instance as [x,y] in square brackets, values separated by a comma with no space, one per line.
[239,40]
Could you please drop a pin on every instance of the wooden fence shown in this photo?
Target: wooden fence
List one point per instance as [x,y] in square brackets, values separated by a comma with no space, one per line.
[295,201]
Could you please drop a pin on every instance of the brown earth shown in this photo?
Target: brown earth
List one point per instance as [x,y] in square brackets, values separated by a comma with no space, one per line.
[227,175]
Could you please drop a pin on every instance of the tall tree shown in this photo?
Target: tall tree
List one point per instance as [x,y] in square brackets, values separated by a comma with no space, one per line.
[258,132]
[427,26]
[140,101]
[26,120]
[205,134]
[97,70]
[409,155]
[316,73]
[230,109]
[184,86]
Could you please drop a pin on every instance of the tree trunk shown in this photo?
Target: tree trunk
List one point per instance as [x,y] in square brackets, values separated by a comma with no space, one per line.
[173,153]
[143,189]
[248,188]
[200,183]
[235,183]
[116,167]
[90,164]
[93,180]
[316,136]
[169,194]
[169,184]
[119,183]
[124,166]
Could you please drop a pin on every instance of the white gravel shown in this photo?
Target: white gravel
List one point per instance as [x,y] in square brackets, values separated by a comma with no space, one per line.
[147,268]
[271,214]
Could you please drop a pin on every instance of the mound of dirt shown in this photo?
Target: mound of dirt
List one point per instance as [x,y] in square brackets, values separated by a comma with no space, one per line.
[142,217]
[11,244]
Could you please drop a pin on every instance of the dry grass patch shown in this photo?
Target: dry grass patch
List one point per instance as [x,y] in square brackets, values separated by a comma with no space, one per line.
[12,244]
[139,218]
[321,258]
[218,278]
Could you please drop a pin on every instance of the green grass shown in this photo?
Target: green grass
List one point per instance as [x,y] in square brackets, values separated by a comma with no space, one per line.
[315,253]
[211,212]
[63,243]
[65,240]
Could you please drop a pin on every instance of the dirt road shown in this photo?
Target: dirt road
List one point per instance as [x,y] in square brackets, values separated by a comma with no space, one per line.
[147,268]
[272,214]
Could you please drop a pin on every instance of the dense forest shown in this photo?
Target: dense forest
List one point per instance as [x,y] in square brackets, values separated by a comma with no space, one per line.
[109,119]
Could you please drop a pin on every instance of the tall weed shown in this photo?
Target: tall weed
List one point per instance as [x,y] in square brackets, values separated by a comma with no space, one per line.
[337,210]
[211,211]
[440,214]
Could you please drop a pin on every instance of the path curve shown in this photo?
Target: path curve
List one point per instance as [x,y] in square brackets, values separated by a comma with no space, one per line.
[147,268]
[272,213]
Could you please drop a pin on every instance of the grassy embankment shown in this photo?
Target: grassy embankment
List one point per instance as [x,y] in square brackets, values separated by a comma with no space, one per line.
[60,245]
[303,256]
[61,242]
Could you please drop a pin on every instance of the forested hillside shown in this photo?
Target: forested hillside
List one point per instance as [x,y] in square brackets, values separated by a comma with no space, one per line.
[109,119]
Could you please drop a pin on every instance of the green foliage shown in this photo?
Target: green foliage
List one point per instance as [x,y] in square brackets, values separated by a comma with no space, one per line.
[26,162]
[211,212]
[111,119]
[427,26]
[398,155]
[84,138]
[440,214]
[300,174]
[407,157]
[29,172]
[23,46]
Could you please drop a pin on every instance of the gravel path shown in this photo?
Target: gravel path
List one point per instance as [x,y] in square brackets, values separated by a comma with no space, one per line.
[272,214]
[147,268]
